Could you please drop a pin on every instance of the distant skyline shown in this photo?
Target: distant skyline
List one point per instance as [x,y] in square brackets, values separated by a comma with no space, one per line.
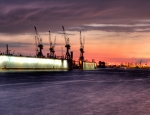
[115,30]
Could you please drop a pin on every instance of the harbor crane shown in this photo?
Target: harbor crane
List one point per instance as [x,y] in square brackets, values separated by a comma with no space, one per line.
[67,45]
[38,42]
[81,47]
[81,58]
[52,46]
[36,47]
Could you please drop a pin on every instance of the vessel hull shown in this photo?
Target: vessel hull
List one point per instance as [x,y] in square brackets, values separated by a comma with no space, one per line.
[89,66]
[33,63]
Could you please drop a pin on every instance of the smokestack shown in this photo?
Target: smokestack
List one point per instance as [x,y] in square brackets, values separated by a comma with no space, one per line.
[7,49]
[71,54]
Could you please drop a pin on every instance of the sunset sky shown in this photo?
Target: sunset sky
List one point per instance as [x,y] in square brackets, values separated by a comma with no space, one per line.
[115,30]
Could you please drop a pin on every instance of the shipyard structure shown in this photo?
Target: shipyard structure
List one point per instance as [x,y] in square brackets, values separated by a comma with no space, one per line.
[32,63]
[85,65]
[40,62]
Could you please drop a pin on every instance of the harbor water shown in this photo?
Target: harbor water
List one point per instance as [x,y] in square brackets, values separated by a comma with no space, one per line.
[96,92]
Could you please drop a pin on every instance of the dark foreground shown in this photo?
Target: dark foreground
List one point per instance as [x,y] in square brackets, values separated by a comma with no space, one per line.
[99,92]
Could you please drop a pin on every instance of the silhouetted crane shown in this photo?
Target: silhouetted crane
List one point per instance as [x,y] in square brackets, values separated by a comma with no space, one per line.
[81,59]
[36,47]
[38,41]
[62,52]
[81,47]
[67,56]
[52,46]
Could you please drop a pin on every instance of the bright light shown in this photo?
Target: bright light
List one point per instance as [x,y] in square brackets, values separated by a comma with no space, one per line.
[58,62]
[65,64]
[30,62]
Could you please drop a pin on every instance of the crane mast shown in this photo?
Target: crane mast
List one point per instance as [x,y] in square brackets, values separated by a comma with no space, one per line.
[81,58]
[52,46]
[39,43]
[81,47]
[50,42]
[67,45]
[36,48]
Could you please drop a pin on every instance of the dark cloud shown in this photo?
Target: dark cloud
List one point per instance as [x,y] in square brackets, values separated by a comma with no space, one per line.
[15,44]
[127,29]
[20,16]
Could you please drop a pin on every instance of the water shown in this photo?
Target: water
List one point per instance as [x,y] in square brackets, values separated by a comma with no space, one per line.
[99,92]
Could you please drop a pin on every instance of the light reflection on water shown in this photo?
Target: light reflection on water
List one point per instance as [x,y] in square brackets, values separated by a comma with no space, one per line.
[100,92]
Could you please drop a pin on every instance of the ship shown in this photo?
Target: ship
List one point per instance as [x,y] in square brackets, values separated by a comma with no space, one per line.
[11,62]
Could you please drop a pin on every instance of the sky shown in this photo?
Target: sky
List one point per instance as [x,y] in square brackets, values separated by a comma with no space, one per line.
[115,31]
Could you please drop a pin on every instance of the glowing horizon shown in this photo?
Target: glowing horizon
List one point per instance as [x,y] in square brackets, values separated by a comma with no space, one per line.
[106,48]
[115,31]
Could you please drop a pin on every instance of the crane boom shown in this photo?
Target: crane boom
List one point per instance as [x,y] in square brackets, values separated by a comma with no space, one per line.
[81,58]
[52,46]
[36,46]
[38,41]
[54,42]
[50,42]
[37,36]
[64,33]
[81,47]
[83,42]
[67,45]
[65,36]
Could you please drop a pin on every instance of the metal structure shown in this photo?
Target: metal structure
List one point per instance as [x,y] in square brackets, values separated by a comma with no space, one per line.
[38,42]
[52,46]
[36,47]
[62,52]
[7,50]
[67,45]
[81,47]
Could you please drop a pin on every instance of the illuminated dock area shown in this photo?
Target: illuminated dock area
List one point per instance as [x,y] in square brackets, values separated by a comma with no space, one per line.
[16,62]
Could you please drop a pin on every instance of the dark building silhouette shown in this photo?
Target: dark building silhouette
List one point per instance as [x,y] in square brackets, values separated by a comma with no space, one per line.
[101,64]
